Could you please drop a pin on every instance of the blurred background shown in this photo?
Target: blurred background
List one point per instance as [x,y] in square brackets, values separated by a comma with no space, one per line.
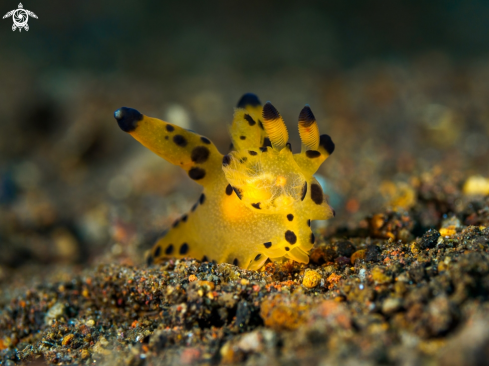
[401,86]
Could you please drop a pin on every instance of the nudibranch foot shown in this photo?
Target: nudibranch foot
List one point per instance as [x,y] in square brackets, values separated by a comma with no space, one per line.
[258,201]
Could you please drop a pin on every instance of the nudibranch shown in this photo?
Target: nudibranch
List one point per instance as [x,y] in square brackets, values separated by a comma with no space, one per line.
[258,201]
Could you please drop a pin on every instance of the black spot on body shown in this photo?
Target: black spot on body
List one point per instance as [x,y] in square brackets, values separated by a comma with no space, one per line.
[169,249]
[306,117]
[267,244]
[166,137]
[205,140]
[257,257]
[235,261]
[194,207]
[256,205]
[312,238]
[309,222]
[253,153]
[149,260]
[184,218]
[287,249]
[243,160]
[270,112]
[127,118]
[180,140]
[304,191]
[229,190]
[260,123]
[158,251]
[196,173]
[249,99]
[175,224]
[316,193]
[238,192]
[290,217]
[226,160]
[326,142]
[267,142]
[250,120]
[184,248]
[242,137]
[290,237]
[263,149]
[170,128]
[200,154]
[202,199]
[311,154]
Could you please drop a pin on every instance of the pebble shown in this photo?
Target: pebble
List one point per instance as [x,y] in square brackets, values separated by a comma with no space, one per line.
[380,277]
[251,342]
[429,239]
[55,312]
[344,249]
[311,279]
[358,255]
[391,305]
[67,339]
[372,253]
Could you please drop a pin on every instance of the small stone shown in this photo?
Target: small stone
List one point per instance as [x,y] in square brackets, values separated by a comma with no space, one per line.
[448,231]
[99,347]
[208,285]
[372,253]
[190,356]
[417,273]
[379,276]
[342,260]
[55,312]
[345,249]
[311,279]
[243,314]
[90,322]
[84,354]
[414,247]
[67,339]
[429,239]
[251,342]
[358,255]
[391,305]
[192,278]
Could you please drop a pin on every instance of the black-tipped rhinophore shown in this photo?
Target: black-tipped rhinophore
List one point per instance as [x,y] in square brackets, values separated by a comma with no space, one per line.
[326,142]
[270,112]
[306,117]
[249,99]
[127,118]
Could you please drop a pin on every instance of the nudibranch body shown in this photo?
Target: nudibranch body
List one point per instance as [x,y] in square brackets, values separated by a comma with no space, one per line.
[258,201]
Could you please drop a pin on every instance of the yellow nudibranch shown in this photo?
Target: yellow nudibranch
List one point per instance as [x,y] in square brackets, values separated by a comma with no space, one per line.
[258,200]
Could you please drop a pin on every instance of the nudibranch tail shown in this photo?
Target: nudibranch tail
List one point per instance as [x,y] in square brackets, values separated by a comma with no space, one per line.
[194,153]
[258,201]
[275,127]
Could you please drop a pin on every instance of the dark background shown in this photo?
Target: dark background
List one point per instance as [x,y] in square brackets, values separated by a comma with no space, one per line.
[401,86]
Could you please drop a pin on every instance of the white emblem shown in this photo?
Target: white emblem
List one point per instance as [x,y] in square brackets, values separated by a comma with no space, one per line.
[20,17]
